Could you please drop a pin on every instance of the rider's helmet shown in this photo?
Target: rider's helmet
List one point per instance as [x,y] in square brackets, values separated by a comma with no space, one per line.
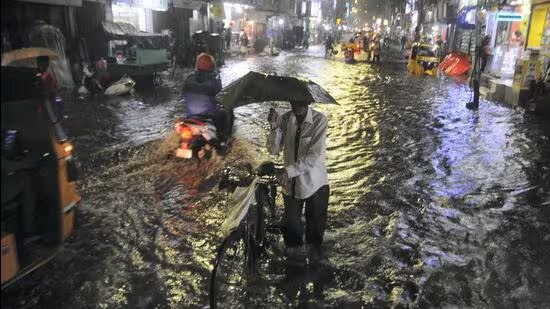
[205,63]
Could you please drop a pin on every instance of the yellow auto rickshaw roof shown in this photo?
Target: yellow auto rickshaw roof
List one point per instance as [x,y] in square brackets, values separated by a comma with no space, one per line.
[424,45]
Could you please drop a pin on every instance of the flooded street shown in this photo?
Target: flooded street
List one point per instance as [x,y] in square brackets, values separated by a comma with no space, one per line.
[432,205]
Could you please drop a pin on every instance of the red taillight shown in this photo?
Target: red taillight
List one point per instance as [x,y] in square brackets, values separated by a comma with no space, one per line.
[185,132]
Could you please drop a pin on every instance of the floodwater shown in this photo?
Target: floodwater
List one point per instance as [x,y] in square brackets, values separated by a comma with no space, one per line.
[432,205]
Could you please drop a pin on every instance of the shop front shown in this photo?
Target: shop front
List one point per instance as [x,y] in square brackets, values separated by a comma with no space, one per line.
[138,13]
[241,19]
[506,28]
[538,36]
[536,58]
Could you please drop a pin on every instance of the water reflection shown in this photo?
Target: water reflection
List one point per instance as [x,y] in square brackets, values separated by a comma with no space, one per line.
[432,205]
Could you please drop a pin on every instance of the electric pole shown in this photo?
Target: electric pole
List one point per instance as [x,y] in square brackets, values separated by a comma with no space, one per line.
[420,21]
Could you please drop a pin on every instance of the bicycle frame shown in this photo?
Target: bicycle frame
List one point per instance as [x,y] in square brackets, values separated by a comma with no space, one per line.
[251,229]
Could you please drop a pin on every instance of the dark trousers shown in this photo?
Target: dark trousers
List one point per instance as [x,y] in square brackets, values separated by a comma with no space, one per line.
[483,63]
[223,120]
[316,218]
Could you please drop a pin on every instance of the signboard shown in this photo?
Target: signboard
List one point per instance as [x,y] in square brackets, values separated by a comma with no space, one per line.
[217,10]
[157,5]
[508,16]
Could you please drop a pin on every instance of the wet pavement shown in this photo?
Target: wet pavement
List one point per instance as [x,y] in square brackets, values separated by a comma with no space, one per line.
[432,205]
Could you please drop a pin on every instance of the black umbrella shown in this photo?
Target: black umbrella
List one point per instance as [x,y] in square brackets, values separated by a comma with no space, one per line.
[261,87]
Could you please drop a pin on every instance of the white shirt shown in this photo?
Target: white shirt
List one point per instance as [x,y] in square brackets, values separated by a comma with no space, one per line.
[309,169]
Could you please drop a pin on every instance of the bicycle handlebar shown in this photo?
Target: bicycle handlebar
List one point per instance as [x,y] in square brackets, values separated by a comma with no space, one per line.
[238,178]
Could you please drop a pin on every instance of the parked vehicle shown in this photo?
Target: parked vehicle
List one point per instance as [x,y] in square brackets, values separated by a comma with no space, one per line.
[423,59]
[39,176]
[134,53]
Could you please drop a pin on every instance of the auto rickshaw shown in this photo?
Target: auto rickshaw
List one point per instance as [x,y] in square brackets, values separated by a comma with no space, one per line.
[38,176]
[423,59]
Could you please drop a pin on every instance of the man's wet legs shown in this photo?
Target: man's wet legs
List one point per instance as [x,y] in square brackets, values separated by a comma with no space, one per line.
[316,216]
[292,221]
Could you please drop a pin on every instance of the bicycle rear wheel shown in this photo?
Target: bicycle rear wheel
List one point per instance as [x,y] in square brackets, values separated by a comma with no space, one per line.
[233,269]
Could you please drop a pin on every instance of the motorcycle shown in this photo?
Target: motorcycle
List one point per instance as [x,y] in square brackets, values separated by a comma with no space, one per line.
[90,81]
[349,55]
[198,138]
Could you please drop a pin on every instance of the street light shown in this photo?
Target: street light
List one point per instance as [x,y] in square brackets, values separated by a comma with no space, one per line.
[238,8]
[281,21]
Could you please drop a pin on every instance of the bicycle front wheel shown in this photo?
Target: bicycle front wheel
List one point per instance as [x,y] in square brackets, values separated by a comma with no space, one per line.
[233,269]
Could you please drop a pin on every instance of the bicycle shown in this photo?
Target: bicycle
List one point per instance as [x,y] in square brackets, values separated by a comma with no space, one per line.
[253,231]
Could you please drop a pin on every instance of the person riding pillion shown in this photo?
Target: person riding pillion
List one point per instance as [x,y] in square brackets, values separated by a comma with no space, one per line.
[302,136]
[199,92]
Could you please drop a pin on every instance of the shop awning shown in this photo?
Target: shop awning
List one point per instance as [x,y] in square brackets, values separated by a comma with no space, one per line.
[188,4]
[57,2]
[467,18]
[126,31]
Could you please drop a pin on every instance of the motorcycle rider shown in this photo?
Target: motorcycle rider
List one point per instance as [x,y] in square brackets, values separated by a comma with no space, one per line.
[199,92]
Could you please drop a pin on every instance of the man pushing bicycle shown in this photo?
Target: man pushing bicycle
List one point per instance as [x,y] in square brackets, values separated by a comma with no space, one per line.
[302,136]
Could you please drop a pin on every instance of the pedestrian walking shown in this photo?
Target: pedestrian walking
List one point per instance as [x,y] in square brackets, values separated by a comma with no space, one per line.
[375,48]
[302,136]
[228,35]
[485,52]
[366,43]
[403,42]
[329,47]
[243,40]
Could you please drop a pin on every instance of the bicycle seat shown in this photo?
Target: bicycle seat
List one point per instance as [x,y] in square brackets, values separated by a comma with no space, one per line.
[201,118]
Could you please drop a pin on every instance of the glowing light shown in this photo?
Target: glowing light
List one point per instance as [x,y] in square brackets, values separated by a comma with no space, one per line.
[238,8]
[68,148]
[185,132]
[281,21]
[184,153]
